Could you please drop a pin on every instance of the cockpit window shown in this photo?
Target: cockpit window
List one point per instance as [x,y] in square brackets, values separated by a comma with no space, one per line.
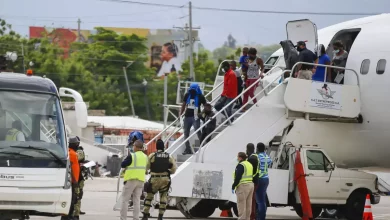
[271,60]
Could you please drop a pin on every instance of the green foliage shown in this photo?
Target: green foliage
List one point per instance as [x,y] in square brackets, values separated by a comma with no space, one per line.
[96,69]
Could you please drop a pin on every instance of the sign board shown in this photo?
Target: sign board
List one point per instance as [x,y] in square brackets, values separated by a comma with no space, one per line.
[207,184]
[325,95]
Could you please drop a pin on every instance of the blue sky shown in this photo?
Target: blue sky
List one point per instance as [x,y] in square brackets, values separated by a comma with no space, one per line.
[215,26]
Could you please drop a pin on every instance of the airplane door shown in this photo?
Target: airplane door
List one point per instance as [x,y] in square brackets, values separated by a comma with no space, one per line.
[303,30]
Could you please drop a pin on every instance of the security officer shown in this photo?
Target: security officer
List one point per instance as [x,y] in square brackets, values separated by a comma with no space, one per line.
[135,164]
[75,168]
[82,177]
[15,134]
[243,186]
[161,165]
[254,160]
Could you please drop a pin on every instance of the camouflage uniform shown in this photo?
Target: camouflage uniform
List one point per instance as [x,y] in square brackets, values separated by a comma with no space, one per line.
[158,182]
[79,190]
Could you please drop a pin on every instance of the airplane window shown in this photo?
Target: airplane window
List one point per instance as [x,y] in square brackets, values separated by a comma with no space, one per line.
[380,68]
[365,67]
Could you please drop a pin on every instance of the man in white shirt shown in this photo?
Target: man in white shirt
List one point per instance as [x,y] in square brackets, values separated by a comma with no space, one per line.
[15,134]
[169,57]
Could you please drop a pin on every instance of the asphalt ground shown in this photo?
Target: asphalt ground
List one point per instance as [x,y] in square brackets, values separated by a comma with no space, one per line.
[100,196]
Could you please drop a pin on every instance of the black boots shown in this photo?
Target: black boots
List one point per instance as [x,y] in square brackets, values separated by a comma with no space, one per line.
[82,213]
[160,217]
[146,216]
[187,151]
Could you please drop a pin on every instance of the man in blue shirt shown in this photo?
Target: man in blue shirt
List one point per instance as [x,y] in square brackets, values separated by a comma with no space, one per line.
[262,185]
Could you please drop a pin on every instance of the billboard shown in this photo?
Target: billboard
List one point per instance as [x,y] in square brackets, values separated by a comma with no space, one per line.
[167,49]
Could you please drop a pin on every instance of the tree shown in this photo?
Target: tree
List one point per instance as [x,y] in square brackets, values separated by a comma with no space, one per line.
[231,42]
[105,57]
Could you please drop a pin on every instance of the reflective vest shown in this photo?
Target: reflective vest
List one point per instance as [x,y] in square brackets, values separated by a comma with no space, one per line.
[247,176]
[12,135]
[137,168]
[264,172]
[258,166]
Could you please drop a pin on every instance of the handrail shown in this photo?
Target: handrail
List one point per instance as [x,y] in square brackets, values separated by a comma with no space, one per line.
[220,111]
[228,119]
[265,93]
[326,66]
[175,121]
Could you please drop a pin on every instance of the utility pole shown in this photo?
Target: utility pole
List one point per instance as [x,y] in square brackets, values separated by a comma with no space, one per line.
[24,67]
[78,29]
[128,87]
[190,40]
[192,75]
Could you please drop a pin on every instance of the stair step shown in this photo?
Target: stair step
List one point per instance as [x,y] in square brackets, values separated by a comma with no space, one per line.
[183,158]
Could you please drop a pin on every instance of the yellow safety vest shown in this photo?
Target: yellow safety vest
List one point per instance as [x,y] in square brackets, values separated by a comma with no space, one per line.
[12,135]
[258,162]
[247,177]
[137,168]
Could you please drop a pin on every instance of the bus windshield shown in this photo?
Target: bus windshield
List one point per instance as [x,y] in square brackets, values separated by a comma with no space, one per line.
[31,130]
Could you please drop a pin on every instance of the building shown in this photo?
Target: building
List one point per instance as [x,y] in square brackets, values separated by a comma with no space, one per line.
[114,130]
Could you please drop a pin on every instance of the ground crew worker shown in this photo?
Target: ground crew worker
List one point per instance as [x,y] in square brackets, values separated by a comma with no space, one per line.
[82,177]
[75,168]
[15,134]
[243,186]
[134,179]
[261,191]
[161,165]
[254,160]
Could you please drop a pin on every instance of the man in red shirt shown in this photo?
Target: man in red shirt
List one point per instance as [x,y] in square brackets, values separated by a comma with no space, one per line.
[229,89]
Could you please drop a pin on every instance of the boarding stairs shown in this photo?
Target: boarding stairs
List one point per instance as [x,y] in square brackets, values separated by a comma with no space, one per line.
[269,120]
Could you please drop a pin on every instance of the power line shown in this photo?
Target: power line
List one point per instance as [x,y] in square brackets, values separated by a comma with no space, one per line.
[246,10]
[145,3]
[89,16]
[92,22]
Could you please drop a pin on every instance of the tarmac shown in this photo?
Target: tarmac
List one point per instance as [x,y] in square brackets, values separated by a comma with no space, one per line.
[100,196]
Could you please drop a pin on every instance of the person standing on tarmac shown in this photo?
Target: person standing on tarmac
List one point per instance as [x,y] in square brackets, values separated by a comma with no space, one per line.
[262,185]
[134,179]
[254,160]
[161,166]
[75,171]
[82,177]
[243,186]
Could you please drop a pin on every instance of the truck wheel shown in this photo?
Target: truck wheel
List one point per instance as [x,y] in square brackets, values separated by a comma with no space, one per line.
[235,209]
[355,206]
[204,209]
[329,213]
[316,211]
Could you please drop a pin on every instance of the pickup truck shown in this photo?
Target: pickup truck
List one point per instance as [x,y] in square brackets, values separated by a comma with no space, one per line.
[329,187]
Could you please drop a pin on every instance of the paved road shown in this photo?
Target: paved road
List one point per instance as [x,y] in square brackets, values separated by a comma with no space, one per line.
[99,199]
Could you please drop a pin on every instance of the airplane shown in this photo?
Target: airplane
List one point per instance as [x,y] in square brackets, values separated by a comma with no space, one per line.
[353,145]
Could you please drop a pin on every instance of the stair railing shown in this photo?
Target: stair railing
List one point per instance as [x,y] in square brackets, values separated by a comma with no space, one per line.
[221,112]
[177,120]
[236,113]
[265,93]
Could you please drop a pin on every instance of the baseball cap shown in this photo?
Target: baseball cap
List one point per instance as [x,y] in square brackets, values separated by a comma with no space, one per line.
[300,43]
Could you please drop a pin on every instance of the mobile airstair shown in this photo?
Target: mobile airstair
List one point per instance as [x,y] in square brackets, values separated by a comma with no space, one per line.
[206,174]
[203,179]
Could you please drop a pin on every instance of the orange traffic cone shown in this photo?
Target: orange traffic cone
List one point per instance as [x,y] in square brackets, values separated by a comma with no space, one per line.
[367,214]
[226,213]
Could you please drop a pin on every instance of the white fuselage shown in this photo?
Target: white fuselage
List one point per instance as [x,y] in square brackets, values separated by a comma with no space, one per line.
[349,144]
